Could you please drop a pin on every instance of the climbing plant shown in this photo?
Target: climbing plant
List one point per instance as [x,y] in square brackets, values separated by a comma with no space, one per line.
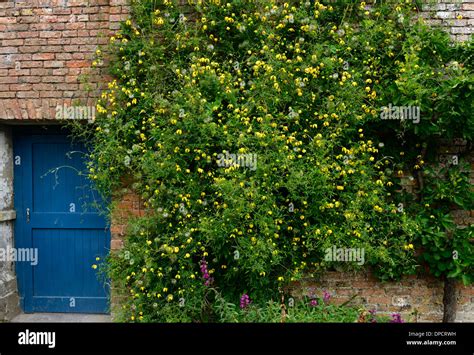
[261,134]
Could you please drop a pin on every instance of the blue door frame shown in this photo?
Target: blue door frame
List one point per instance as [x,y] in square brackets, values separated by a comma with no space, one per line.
[58,216]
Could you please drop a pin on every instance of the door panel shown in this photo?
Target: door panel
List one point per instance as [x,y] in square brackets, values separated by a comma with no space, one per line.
[58,213]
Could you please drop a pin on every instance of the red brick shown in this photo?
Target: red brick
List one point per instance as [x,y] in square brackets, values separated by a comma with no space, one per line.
[468,6]
[52,79]
[50,34]
[59,27]
[53,19]
[78,56]
[27,19]
[116,244]
[7,95]
[30,49]
[118,2]
[75,26]
[8,50]
[29,79]
[52,49]
[54,64]
[41,72]
[62,11]
[62,72]
[41,27]
[12,42]
[14,72]
[69,33]
[21,87]
[7,20]
[71,78]
[17,27]
[27,94]
[36,41]
[43,87]
[67,87]
[43,56]
[78,64]
[8,35]
[50,94]
[59,41]
[8,80]
[84,33]
[80,41]
[115,10]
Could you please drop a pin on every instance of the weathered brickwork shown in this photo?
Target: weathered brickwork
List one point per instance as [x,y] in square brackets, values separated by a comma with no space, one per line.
[416,298]
[457,16]
[46,49]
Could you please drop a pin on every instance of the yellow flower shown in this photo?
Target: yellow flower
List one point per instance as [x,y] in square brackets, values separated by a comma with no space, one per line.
[281,278]
[169,298]
[340,188]
[94,266]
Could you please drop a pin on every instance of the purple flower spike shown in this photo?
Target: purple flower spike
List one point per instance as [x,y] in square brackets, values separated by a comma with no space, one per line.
[244,301]
[396,318]
[205,273]
[326,297]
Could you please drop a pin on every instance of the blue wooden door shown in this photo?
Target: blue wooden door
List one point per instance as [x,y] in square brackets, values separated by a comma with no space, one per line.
[58,215]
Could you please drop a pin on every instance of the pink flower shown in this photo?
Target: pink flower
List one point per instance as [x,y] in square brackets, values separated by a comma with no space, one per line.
[313,303]
[244,301]
[326,296]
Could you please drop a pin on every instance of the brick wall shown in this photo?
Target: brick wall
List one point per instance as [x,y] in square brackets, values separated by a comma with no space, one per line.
[127,205]
[457,16]
[46,48]
[418,298]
